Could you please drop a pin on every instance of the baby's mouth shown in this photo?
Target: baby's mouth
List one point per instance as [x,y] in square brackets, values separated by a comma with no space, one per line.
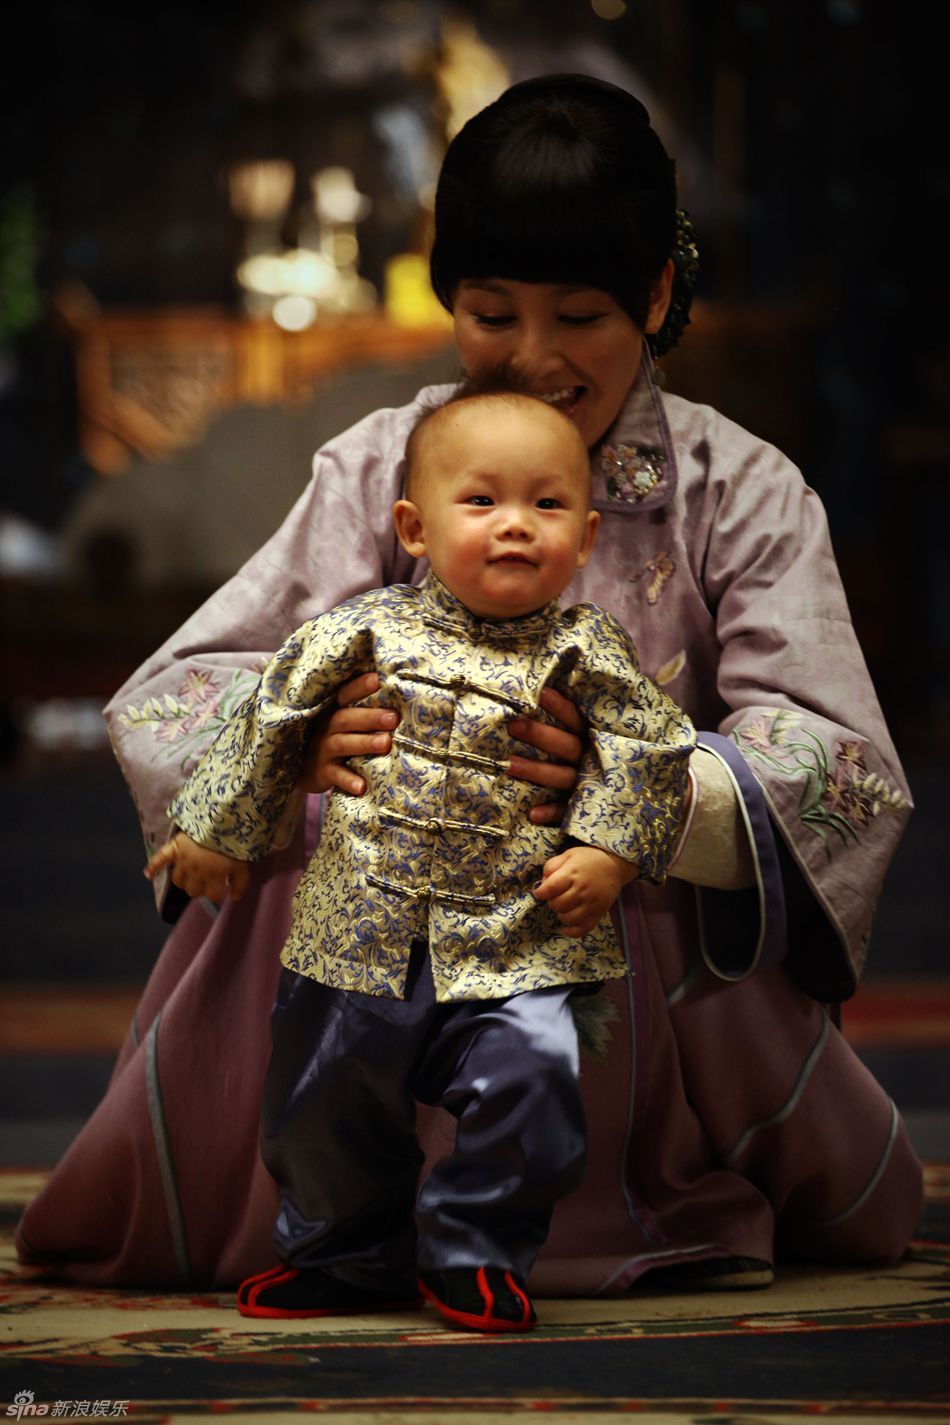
[513,559]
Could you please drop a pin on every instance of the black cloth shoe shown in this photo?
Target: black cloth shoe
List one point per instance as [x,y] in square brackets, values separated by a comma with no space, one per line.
[713,1274]
[480,1298]
[286,1292]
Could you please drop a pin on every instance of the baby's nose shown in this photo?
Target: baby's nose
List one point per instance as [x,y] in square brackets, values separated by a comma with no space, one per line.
[516,524]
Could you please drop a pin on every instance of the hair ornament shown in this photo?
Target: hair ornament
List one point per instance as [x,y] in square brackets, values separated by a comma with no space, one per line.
[685,257]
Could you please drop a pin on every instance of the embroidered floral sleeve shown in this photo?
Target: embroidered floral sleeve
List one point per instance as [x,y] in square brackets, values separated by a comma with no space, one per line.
[179,721]
[839,796]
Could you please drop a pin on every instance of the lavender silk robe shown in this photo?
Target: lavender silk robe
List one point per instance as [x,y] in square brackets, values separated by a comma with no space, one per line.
[729,1115]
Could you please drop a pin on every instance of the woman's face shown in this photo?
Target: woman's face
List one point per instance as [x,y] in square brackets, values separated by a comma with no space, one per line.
[573,345]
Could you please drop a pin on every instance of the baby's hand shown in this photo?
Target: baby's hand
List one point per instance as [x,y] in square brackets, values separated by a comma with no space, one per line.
[581,884]
[198,871]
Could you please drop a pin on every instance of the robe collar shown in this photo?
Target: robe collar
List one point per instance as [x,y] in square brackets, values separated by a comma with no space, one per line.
[437,602]
[634,466]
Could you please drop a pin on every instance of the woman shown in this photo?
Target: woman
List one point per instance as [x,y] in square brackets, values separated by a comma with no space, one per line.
[728,1119]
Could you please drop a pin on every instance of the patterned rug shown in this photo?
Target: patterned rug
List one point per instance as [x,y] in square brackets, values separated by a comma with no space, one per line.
[844,1345]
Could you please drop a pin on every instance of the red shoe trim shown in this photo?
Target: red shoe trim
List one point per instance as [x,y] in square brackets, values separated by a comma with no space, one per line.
[250,1307]
[488,1296]
[245,1309]
[515,1289]
[247,1305]
[311,1312]
[250,1282]
[471,1322]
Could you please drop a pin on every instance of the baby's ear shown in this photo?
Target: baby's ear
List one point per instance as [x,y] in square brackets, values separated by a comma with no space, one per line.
[587,541]
[407,517]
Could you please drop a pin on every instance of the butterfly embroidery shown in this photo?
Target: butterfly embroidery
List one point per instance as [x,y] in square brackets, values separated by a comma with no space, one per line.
[657,571]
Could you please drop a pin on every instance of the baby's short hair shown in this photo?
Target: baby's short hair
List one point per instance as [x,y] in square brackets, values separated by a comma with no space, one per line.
[488,386]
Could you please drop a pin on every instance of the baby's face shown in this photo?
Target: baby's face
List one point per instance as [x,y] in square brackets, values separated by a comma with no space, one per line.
[503,494]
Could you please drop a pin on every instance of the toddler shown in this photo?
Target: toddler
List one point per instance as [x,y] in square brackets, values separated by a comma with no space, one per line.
[438,934]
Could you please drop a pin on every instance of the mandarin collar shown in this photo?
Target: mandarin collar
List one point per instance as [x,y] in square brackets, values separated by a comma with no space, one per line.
[439,603]
[634,466]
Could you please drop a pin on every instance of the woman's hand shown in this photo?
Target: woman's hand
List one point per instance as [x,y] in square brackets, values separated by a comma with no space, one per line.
[348,732]
[565,743]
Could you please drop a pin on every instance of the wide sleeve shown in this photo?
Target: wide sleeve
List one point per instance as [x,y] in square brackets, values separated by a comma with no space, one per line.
[336,542]
[235,798]
[631,788]
[802,712]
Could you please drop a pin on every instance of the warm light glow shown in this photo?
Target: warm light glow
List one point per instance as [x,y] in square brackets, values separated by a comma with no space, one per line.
[470,73]
[298,272]
[410,300]
[294,313]
[608,9]
[336,198]
[319,278]
[261,191]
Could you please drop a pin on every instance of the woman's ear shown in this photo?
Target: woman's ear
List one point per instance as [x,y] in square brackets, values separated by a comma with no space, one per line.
[407,517]
[660,294]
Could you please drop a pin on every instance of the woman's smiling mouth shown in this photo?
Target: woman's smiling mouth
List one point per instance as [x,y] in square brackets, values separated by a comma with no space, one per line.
[565,400]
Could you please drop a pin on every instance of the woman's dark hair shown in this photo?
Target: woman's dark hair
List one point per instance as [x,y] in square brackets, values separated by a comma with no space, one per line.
[561,179]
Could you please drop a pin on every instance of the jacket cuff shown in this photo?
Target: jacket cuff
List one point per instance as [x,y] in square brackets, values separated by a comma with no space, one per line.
[742,930]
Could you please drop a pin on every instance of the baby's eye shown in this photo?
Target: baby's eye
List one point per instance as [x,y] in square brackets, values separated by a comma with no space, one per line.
[548,502]
[481,500]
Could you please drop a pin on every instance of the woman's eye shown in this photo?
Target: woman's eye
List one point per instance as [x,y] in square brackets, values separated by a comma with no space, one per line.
[570,320]
[484,319]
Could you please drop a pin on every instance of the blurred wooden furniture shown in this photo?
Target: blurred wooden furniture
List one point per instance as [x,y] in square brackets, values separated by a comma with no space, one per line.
[149,382]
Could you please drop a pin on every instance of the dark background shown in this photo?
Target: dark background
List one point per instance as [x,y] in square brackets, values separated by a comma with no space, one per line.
[811,140]
[811,145]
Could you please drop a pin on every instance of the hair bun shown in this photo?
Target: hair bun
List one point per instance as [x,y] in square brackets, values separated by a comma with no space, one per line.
[573,84]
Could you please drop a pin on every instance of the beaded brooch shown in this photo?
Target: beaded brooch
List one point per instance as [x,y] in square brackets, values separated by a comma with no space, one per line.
[631,471]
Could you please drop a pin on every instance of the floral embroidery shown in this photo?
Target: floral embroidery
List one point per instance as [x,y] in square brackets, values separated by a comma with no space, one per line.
[671,669]
[659,570]
[632,471]
[198,708]
[842,796]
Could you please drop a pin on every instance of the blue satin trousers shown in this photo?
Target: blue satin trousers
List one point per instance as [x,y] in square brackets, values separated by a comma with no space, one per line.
[338,1127]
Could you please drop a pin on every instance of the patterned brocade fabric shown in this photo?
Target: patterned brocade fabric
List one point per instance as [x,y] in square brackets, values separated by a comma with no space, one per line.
[440,846]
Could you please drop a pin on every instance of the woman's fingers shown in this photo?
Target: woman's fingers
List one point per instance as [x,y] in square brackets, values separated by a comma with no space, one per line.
[337,745]
[548,813]
[357,688]
[562,709]
[563,744]
[555,741]
[349,732]
[559,776]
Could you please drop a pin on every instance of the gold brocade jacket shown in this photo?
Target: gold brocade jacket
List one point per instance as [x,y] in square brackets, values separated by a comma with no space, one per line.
[440,847]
